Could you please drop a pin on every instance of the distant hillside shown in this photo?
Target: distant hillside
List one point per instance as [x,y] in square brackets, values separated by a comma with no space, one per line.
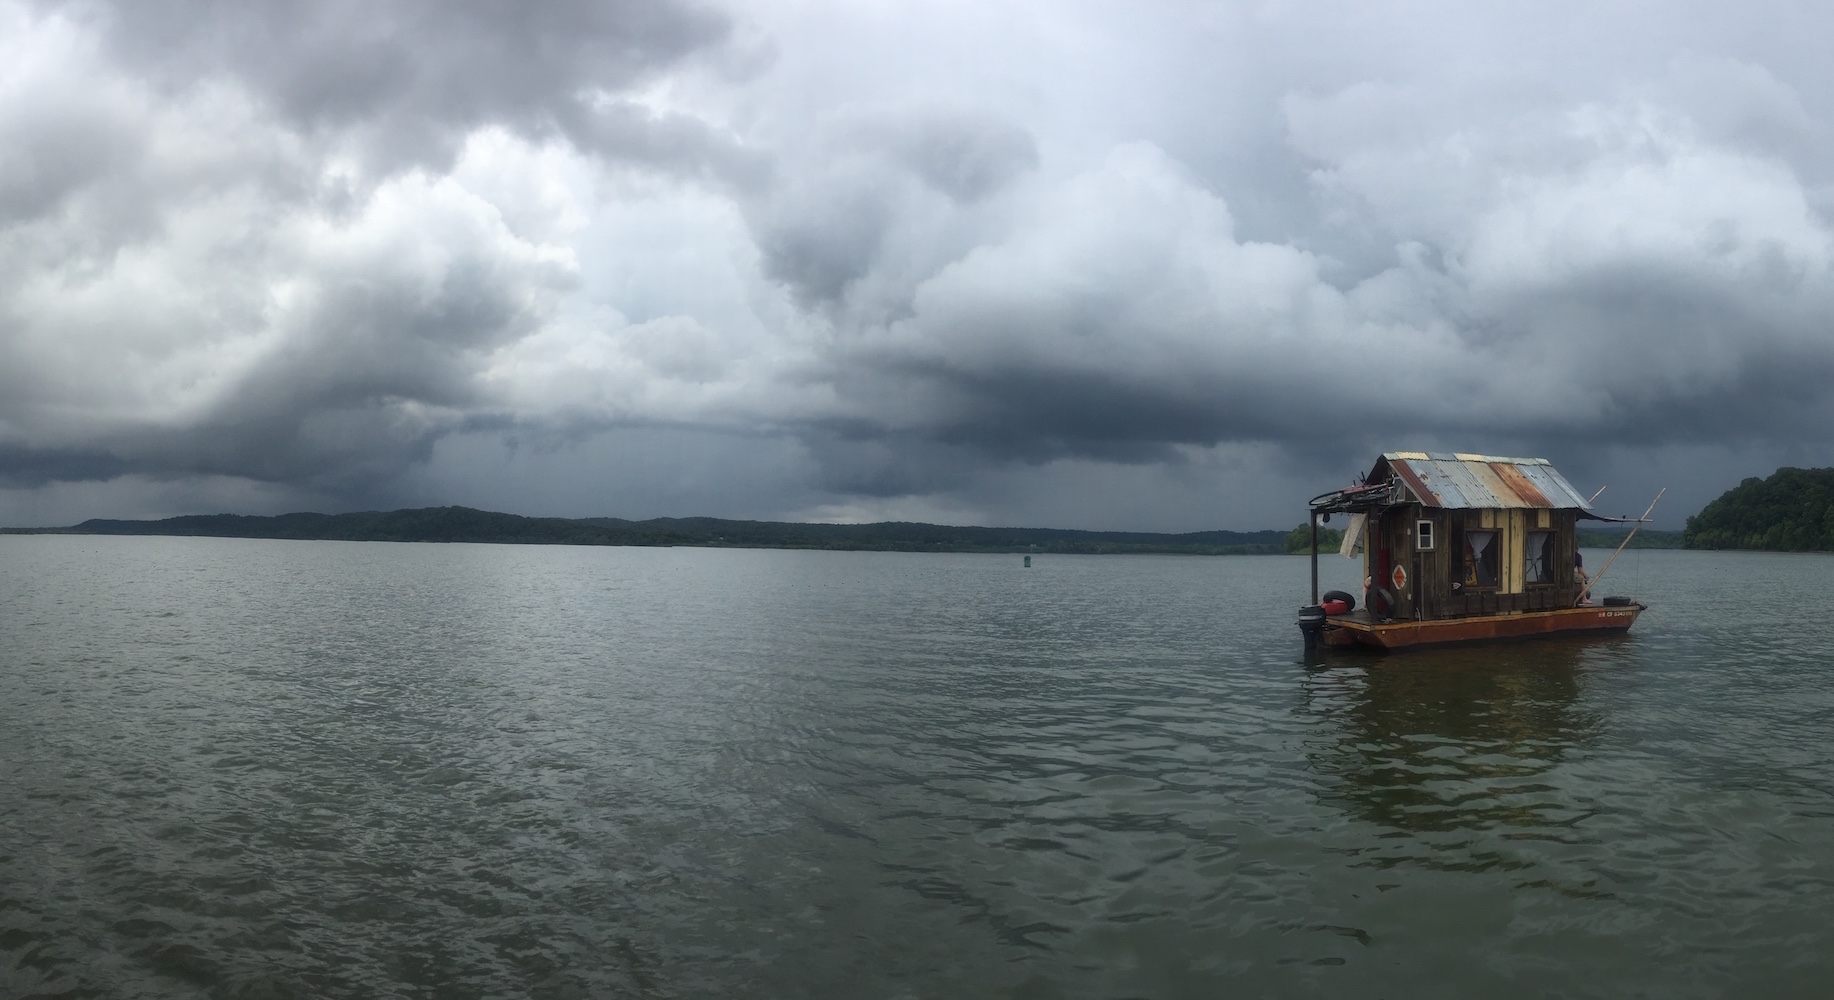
[1596,538]
[1299,540]
[1792,511]
[463,524]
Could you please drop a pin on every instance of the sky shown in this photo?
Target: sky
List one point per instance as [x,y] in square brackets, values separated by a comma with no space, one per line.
[1142,266]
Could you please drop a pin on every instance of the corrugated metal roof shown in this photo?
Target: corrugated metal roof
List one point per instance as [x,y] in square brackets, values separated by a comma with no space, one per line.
[1559,492]
[1520,485]
[1481,486]
[1462,481]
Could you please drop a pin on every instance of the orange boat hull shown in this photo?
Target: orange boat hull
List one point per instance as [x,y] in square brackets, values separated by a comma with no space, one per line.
[1355,630]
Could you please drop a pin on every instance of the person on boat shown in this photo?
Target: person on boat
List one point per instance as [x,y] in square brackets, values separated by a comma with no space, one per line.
[1585,582]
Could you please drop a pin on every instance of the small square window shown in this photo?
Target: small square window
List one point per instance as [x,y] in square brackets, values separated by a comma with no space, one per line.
[1423,536]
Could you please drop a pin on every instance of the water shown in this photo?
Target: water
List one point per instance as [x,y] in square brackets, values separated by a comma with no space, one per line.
[267,769]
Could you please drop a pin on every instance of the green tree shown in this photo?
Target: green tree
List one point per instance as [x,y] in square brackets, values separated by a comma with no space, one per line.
[1300,539]
[1792,511]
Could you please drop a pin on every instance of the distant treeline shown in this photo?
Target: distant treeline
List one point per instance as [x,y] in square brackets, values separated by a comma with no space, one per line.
[1300,539]
[1792,511]
[463,524]
[1593,538]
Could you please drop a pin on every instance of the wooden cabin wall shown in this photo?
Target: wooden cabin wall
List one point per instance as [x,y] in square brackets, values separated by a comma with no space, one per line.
[1435,566]
[1372,532]
[1393,534]
[1513,535]
[1514,593]
[1407,596]
[1429,593]
[1403,551]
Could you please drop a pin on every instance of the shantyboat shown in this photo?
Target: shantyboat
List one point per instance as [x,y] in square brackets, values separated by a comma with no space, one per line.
[1460,548]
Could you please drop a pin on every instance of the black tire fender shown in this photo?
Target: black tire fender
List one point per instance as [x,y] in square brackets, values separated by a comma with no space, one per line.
[1382,602]
[1337,595]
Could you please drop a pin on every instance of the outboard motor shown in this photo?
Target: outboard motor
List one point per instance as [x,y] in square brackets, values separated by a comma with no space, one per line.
[1311,623]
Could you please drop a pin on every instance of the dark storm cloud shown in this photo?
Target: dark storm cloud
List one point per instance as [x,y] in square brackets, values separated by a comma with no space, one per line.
[676,144]
[924,255]
[411,77]
[372,375]
[188,239]
[1569,282]
[965,155]
[23,465]
[56,147]
[309,351]
[822,240]
[822,228]
[862,461]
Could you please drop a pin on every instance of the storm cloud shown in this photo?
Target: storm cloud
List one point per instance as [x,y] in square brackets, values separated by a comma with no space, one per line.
[1169,267]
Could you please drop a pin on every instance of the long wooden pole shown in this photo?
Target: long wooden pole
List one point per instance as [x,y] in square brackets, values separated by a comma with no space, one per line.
[1314,557]
[1587,589]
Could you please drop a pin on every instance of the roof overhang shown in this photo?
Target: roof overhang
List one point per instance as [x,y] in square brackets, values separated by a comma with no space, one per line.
[1458,481]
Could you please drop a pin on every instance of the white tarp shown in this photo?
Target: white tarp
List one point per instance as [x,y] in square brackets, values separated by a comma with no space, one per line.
[1353,536]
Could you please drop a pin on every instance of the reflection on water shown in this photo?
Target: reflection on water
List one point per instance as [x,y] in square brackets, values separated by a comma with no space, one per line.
[249,768]
[1439,741]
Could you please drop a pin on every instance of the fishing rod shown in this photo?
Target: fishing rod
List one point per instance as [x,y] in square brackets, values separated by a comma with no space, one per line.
[1583,591]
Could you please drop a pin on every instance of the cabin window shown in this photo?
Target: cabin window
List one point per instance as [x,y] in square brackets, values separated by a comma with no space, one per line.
[1539,553]
[1480,559]
[1423,535]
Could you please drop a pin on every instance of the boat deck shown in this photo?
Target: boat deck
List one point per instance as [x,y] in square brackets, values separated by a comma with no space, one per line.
[1360,628]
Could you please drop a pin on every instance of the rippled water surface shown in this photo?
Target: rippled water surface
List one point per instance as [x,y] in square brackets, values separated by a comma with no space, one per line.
[260,768]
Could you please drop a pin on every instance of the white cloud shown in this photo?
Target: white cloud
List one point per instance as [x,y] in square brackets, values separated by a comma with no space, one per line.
[930,253]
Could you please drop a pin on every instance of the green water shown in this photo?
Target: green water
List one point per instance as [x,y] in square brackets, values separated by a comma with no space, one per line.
[256,768]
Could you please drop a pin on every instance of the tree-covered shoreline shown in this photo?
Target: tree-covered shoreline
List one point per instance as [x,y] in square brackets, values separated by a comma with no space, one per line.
[1603,538]
[1790,511]
[464,524]
[1299,540]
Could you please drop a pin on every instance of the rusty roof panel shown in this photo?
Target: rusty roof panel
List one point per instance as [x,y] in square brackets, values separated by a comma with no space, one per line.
[1470,481]
[1448,489]
[1485,472]
[1401,466]
[1520,485]
[1454,496]
[1420,488]
[1476,492]
[1446,480]
[1555,487]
